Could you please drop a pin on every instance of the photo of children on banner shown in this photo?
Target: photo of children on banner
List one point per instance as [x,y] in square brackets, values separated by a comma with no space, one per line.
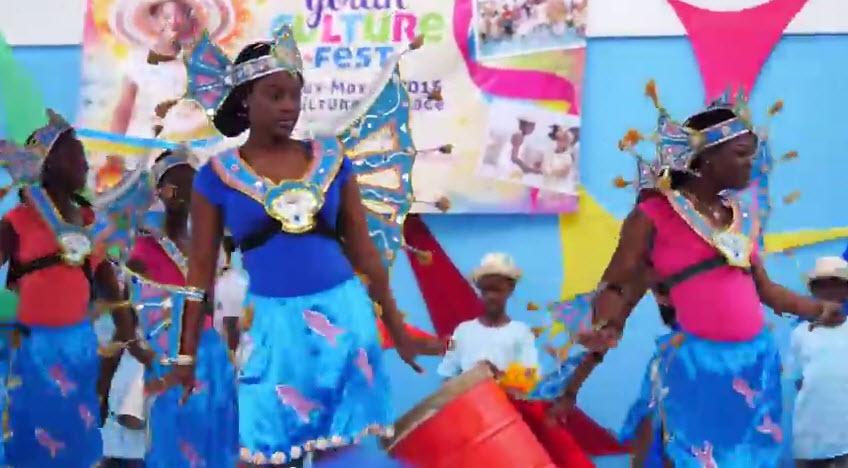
[533,147]
[518,27]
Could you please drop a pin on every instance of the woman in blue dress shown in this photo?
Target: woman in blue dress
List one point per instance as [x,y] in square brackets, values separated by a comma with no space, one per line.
[312,375]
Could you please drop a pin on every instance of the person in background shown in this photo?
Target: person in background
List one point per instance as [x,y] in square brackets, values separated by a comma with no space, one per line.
[492,338]
[817,363]
[55,266]
[230,293]
[200,429]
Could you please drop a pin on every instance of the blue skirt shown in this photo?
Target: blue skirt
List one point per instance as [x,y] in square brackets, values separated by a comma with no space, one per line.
[5,355]
[203,431]
[720,403]
[53,406]
[312,376]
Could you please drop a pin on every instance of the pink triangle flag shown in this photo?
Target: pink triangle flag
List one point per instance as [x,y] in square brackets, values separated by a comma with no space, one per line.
[732,46]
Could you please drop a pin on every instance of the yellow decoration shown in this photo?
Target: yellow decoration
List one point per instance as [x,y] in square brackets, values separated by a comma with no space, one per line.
[557,328]
[782,241]
[588,237]
[519,379]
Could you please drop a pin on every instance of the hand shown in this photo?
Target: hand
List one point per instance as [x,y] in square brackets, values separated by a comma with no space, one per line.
[831,316]
[428,346]
[182,375]
[560,409]
[408,349]
[599,341]
[495,371]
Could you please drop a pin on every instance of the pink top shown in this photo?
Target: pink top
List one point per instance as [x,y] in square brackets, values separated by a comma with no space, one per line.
[720,304]
[159,266]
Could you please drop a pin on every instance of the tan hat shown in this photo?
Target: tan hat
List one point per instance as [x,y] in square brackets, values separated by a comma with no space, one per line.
[497,263]
[829,267]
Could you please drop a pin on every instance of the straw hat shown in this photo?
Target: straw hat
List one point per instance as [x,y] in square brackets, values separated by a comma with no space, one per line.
[829,267]
[499,264]
[131,20]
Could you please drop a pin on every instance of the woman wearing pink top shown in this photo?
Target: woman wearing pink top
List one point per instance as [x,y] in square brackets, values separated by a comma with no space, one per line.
[200,430]
[716,392]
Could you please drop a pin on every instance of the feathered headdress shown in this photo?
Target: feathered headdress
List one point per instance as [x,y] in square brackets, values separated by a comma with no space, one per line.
[677,144]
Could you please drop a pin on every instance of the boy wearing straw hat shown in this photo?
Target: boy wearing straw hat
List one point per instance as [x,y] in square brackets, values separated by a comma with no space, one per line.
[820,431]
[493,337]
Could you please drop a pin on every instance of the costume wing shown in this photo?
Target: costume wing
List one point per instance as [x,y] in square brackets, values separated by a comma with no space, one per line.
[759,188]
[377,139]
[121,211]
[22,165]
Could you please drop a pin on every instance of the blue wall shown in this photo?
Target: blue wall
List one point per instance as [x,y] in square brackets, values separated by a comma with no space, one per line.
[808,73]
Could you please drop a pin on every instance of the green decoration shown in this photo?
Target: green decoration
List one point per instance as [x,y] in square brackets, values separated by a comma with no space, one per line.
[21,102]
[8,306]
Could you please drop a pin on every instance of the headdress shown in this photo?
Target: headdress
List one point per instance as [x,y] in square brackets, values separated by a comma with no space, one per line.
[24,164]
[677,144]
[212,76]
[182,156]
[131,20]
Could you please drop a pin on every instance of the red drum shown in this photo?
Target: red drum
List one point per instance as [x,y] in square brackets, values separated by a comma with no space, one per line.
[470,423]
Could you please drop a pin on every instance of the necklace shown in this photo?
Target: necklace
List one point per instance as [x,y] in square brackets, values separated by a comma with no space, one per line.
[712,211]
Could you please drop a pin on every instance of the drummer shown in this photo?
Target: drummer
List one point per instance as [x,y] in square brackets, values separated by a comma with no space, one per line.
[493,337]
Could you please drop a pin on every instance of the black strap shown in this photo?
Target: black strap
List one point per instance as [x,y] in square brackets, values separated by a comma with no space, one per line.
[665,285]
[272,227]
[18,270]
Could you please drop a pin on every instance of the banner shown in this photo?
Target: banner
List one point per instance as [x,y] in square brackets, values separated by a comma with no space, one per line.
[494,90]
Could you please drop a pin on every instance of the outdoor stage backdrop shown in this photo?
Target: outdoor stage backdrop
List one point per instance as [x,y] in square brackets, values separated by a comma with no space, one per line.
[491,69]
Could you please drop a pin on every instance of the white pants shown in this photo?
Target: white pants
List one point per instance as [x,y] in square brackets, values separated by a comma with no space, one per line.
[126,397]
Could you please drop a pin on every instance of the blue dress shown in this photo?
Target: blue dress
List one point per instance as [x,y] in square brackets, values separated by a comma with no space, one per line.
[202,431]
[311,373]
[53,402]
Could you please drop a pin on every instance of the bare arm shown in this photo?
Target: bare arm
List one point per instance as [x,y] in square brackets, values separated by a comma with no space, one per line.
[8,241]
[206,233]
[626,276]
[123,111]
[781,299]
[363,255]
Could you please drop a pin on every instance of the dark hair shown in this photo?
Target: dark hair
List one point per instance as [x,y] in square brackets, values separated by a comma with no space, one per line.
[231,118]
[700,121]
[153,9]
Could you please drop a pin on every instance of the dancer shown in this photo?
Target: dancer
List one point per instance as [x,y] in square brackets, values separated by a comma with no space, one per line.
[201,429]
[718,393]
[54,267]
[493,338]
[819,436]
[313,377]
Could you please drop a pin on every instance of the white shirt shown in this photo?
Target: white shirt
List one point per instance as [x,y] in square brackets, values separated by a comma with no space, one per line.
[126,397]
[474,342]
[820,421]
[230,293]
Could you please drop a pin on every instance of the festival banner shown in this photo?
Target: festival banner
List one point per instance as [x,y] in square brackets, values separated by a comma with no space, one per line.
[494,90]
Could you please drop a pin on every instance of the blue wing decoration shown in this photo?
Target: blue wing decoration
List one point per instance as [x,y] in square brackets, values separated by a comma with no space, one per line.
[22,165]
[378,141]
[121,210]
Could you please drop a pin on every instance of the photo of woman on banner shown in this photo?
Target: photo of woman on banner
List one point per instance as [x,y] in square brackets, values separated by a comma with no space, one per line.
[154,74]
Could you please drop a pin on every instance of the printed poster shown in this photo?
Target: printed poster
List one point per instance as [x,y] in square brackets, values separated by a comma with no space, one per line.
[495,88]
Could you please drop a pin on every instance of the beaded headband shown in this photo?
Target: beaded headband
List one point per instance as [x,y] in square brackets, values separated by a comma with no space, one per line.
[179,157]
[212,76]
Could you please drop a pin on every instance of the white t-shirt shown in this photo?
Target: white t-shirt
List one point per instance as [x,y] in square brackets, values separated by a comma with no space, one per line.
[474,342]
[820,420]
[230,293]
[126,397]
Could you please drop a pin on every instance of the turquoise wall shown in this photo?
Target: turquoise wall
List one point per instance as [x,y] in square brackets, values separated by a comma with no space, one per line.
[808,73]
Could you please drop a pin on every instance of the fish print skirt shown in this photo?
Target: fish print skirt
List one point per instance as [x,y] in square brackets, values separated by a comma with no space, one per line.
[203,431]
[53,402]
[719,403]
[311,375]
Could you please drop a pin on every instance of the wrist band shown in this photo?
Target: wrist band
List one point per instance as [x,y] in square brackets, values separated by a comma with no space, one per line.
[193,294]
[183,360]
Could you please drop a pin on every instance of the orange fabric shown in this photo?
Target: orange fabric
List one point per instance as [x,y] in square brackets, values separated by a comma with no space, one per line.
[54,296]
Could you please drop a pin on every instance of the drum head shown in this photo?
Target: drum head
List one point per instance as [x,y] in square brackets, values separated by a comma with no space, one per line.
[431,405]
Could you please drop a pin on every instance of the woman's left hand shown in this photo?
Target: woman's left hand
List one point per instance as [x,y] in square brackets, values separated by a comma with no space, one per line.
[408,351]
[831,316]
